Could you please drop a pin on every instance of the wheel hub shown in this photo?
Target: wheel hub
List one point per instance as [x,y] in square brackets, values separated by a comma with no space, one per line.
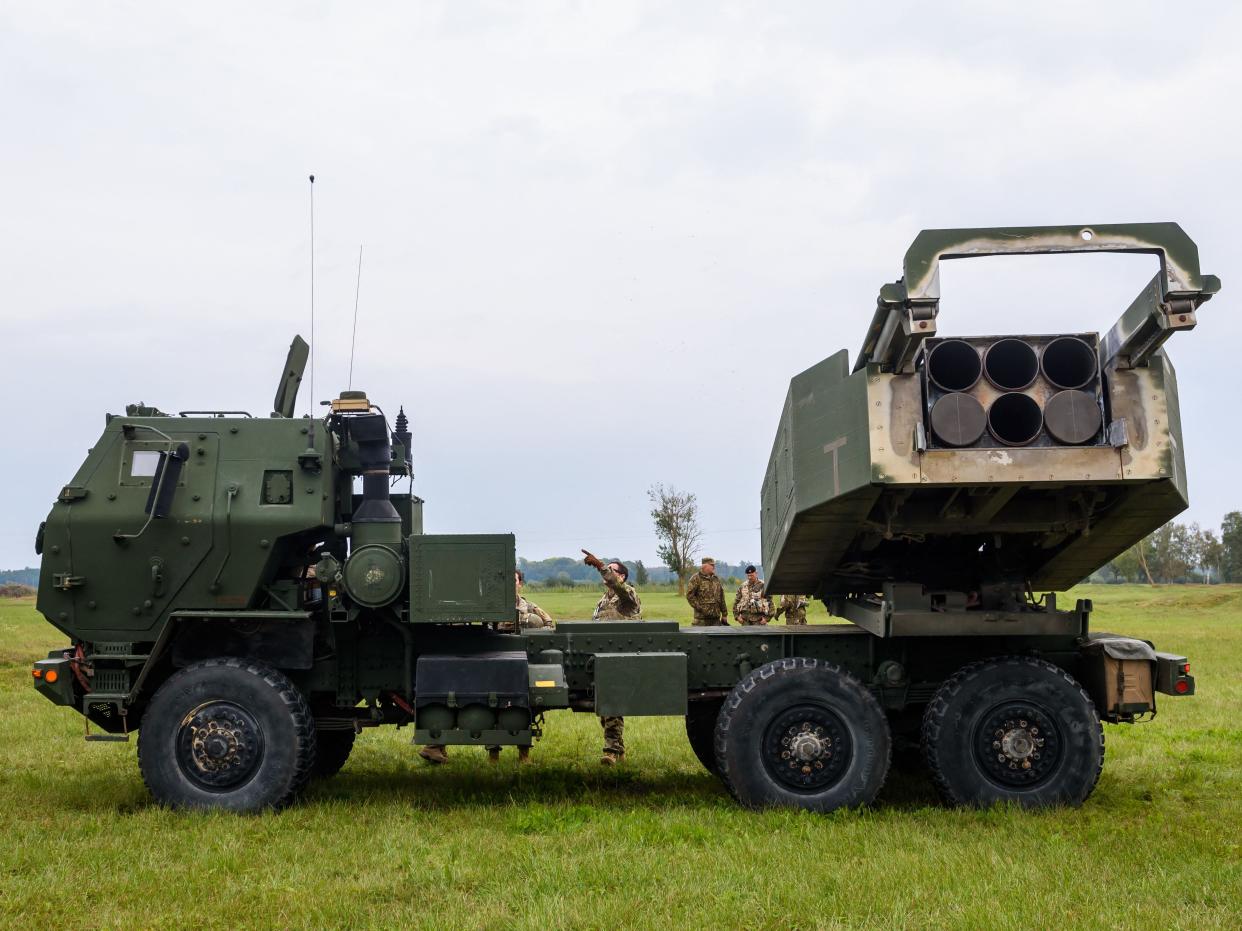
[1018,745]
[807,747]
[219,745]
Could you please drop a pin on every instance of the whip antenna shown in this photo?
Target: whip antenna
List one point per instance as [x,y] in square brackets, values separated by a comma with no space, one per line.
[353,337]
[312,309]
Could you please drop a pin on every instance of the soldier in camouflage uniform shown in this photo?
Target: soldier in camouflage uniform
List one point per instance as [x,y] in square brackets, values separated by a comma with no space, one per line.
[794,609]
[619,603]
[706,596]
[750,607]
[529,615]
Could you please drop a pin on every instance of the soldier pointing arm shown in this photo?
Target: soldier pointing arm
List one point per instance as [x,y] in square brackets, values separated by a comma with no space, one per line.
[619,603]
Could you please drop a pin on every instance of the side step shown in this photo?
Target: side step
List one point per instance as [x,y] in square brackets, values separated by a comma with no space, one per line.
[109,698]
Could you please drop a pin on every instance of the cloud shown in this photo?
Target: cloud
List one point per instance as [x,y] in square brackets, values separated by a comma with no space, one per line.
[598,239]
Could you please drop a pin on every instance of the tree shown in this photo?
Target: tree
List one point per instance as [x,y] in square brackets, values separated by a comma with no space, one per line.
[1209,555]
[1169,552]
[641,575]
[676,517]
[1231,544]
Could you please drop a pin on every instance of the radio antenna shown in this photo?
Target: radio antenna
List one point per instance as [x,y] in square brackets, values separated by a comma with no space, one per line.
[353,337]
[312,311]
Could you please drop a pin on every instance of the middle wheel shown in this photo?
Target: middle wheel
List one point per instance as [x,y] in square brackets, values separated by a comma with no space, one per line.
[802,733]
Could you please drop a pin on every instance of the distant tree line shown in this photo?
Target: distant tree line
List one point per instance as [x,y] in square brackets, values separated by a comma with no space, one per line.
[27,576]
[567,570]
[1179,552]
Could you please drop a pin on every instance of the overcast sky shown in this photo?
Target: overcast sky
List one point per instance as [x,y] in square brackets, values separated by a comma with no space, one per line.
[599,238]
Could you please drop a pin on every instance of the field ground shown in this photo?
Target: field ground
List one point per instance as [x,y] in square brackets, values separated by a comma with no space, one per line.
[654,843]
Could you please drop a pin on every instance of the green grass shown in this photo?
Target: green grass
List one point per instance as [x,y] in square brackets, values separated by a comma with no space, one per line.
[656,843]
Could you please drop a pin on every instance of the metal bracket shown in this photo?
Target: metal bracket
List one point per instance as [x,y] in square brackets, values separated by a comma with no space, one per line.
[906,311]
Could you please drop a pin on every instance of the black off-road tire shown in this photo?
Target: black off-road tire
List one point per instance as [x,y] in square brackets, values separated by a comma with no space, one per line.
[227,734]
[1013,729]
[802,733]
[701,731]
[332,749]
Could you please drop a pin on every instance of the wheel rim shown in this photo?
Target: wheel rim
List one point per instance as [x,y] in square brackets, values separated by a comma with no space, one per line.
[807,748]
[1018,744]
[219,746]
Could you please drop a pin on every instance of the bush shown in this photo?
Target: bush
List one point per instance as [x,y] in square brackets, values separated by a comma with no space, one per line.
[16,590]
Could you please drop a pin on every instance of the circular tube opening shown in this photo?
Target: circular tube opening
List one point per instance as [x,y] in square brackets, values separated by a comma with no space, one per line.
[1068,362]
[953,365]
[1011,364]
[957,419]
[1073,417]
[1015,419]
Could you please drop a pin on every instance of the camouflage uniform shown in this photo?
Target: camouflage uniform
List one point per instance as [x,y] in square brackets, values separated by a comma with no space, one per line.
[706,596]
[794,609]
[529,617]
[619,603]
[749,605]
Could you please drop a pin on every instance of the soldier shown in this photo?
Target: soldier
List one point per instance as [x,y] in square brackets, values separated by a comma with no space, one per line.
[706,596]
[794,609]
[619,603]
[529,615]
[749,605]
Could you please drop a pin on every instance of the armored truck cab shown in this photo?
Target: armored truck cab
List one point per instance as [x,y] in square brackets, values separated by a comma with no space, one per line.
[232,596]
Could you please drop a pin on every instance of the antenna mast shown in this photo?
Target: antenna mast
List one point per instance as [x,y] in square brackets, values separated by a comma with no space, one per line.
[353,337]
[312,310]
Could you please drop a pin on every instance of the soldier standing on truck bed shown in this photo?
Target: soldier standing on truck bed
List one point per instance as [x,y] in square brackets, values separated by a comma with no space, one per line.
[619,603]
[706,596]
[529,616]
[794,609]
[749,605]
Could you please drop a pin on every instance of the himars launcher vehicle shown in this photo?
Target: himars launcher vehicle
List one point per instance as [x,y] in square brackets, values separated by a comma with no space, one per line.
[925,495]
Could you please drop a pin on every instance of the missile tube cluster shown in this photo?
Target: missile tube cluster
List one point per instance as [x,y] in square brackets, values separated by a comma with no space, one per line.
[1070,415]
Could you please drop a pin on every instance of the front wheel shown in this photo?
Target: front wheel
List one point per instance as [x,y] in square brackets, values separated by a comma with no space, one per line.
[226,734]
[1013,729]
[802,733]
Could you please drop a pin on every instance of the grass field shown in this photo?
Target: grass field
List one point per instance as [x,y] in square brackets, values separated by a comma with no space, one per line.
[654,843]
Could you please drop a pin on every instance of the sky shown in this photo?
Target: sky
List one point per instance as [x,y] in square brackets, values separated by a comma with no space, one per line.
[597,238]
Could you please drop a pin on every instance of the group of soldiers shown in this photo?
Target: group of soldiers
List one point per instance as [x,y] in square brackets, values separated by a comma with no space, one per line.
[620,602]
[750,605]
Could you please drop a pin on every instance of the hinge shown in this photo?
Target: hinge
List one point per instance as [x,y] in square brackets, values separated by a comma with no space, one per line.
[64,581]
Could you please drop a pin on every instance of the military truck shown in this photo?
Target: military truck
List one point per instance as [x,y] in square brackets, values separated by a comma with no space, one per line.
[249,594]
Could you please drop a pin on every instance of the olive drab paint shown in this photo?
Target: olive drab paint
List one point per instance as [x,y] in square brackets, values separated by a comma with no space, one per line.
[250,593]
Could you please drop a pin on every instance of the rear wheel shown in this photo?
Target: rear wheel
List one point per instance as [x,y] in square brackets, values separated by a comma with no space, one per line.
[802,733]
[229,734]
[701,730]
[1013,729]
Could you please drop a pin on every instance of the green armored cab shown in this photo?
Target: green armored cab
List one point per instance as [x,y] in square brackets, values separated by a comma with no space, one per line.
[249,593]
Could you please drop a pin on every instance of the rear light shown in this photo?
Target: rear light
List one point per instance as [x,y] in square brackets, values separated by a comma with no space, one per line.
[1182,686]
[51,676]
[37,673]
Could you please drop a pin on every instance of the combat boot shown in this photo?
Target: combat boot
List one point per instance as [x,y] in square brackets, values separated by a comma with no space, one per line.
[434,754]
[611,758]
